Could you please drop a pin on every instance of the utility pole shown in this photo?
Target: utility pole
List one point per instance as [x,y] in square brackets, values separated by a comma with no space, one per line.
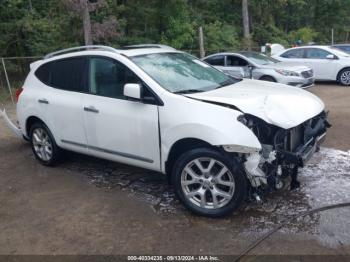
[246,31]
[201,43]
[30,6]
[86,22]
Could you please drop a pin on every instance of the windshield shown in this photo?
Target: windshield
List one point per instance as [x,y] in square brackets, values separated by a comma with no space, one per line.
[182,73]
[260,59]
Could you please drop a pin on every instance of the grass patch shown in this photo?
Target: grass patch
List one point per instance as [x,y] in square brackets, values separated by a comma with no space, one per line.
[5,95]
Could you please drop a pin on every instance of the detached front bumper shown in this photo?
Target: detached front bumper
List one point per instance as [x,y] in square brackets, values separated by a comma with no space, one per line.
[17,131]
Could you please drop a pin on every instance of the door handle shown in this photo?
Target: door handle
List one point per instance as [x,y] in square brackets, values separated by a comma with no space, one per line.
[43,101]
[91,109]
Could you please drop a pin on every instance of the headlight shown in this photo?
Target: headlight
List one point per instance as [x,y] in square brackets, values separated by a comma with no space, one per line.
[240,149]
[245,121]
[287,72]
[262,130]
[242,119]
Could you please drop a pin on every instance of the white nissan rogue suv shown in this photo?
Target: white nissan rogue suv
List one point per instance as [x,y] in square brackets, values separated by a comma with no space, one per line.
[220,139]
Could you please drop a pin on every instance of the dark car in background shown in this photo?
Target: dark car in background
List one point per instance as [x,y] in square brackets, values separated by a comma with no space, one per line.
[343,47]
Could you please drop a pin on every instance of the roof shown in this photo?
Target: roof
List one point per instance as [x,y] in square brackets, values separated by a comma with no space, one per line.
[147,46]
[128,51]
[312,46]
[146,51]
[329,48]
[242,53]
[341,44]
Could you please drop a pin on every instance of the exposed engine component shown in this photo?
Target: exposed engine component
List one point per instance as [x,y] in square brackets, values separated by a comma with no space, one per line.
[283,150]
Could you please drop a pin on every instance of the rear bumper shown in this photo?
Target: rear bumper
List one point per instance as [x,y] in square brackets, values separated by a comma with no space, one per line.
[17,131]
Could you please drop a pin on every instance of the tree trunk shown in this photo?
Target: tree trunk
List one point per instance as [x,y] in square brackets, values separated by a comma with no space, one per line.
[246,31]
[86,22]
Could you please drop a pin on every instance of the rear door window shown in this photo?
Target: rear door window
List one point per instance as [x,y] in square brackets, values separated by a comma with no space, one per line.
[294,53]
[316,53]
[69,74]
[218,60]
[235,61]
[66,74]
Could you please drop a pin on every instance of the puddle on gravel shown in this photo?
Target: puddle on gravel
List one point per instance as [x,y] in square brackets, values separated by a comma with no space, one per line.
[324,181]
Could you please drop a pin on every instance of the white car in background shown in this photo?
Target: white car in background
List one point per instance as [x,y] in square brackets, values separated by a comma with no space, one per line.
[328,63]
[259,66]
[220,139]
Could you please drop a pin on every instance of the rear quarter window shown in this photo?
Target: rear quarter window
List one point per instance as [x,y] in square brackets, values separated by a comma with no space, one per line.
[43,74]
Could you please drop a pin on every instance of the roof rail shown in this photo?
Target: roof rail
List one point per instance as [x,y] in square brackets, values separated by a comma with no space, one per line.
[81,48]
[147,46]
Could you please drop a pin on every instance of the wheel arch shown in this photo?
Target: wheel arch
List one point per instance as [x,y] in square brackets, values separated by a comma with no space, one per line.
[213,135]
[340,71]
[269,76]
[181,146]
[30,121]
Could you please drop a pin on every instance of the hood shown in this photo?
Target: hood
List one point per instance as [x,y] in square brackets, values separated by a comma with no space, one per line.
[295,67]
[277,104]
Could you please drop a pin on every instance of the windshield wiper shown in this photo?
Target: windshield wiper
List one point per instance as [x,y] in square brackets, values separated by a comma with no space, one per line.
[188,91]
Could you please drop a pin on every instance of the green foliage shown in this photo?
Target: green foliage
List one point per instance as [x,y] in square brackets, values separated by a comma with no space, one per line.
[305,35]
[49,26]
[178,32]
[269,33]
[220,37]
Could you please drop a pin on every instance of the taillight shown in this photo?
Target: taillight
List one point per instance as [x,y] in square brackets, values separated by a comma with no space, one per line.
[18,92]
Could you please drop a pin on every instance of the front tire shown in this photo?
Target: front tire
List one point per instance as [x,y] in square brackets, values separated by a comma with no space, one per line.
[44,145]
[209,183]
[344,77]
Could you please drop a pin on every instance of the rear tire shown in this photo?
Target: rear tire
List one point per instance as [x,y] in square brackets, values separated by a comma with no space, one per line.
[44,145]
[344,77]
[208,182]
[268,79]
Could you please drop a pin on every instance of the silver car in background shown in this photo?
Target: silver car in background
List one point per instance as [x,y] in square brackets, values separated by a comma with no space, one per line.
[258,66]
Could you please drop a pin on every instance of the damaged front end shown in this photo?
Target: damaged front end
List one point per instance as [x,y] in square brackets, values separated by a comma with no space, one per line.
[283,151]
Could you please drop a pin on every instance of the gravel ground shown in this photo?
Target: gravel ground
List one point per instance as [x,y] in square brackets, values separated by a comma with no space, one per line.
[92,206]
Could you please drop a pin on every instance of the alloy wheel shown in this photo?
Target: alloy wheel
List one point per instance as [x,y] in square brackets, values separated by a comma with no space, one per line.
[207,183]
[345,78]
[42,144]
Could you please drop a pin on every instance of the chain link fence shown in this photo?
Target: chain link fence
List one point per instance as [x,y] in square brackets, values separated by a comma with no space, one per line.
[13,71]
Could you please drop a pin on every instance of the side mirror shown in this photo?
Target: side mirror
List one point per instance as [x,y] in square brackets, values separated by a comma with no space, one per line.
[132,91]
[331,57]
